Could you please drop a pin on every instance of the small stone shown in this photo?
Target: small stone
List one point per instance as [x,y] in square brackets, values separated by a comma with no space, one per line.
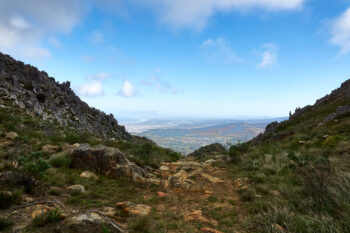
[210,161]
[77,188]
[27,199]
[89,175]
[275,192]
[197,216]
[212,179]
[50,149]
[210,230]
[134,209]
[161,194]
[279,227]
[164,168]
[109,211]
[11,135]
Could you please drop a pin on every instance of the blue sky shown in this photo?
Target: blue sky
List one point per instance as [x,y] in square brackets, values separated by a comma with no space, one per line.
[182,58]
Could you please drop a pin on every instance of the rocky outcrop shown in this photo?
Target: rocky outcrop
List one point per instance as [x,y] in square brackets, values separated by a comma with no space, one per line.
[341,111]
[40,95]
[104,160]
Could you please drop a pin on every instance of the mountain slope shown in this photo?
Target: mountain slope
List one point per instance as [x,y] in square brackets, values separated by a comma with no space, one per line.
[299,170]
[40,95]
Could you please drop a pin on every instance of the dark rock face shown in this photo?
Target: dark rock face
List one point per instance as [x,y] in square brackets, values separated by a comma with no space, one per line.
[105,160]
[42,96]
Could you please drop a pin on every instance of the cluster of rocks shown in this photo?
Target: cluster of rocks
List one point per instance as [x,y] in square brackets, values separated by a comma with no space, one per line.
[182,175]
[40,95]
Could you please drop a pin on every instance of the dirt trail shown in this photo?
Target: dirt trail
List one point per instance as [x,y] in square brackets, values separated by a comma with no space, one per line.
[202,194]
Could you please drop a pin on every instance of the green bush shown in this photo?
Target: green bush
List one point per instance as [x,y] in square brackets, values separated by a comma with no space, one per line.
[60,160]
[30,170]
[236,151]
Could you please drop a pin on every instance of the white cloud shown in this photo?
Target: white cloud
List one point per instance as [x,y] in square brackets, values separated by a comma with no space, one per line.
[269,56]
[99,76]
[340,31]
[220,49]
[195,13]
[96,37]
[91,89]
[127,90]
[24,25]
[19,22]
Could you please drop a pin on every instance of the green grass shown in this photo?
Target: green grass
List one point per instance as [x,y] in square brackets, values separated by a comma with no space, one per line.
[309,167]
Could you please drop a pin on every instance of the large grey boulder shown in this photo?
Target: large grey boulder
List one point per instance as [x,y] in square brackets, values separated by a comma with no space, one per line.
[104,160]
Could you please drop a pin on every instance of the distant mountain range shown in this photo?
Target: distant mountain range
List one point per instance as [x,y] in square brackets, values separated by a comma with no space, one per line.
[185,136]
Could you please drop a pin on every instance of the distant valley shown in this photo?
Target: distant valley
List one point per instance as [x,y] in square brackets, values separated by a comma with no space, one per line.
[185,136]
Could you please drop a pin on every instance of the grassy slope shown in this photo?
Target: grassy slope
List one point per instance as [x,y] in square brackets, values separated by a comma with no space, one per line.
[308,164]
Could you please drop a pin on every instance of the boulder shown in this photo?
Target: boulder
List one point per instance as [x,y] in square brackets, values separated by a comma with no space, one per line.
[89,223]
[104,160]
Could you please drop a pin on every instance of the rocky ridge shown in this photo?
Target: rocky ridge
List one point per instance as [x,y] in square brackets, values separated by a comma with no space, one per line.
[40,95]
[334,105]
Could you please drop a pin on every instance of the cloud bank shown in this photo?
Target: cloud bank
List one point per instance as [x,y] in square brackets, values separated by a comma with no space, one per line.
[195,13]
[340,32]
[24,25]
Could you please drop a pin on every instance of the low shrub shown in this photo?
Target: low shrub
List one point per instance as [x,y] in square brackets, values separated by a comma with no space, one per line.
[49,217]
[4,224]
[141,225]
[7,198]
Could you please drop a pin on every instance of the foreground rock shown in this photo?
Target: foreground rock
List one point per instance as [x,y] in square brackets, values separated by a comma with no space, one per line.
[89,222]
[107,161]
